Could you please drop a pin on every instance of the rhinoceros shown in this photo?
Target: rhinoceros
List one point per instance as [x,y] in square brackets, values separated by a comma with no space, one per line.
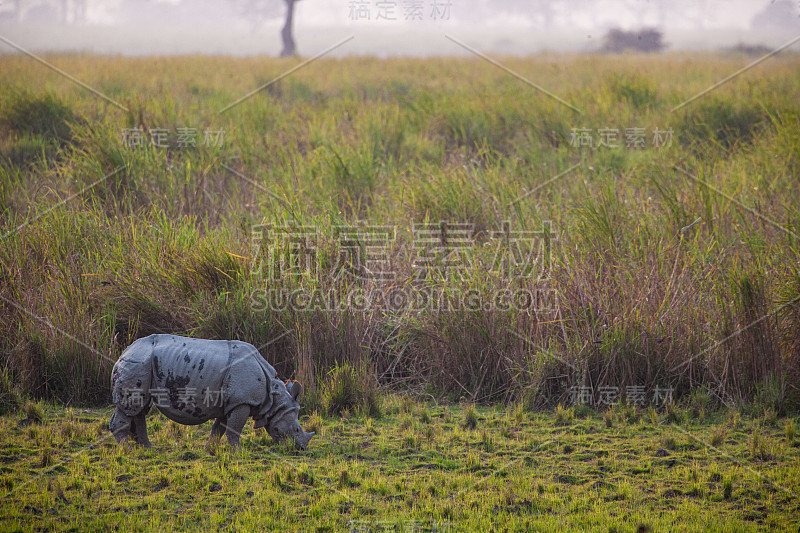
[194,380]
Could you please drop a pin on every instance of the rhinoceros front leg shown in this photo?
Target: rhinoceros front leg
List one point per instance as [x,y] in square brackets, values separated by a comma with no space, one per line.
[139,429]
[120,425]
[123,426]
[236,421]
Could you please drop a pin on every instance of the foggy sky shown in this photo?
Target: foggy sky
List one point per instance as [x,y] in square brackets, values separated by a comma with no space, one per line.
[248,27]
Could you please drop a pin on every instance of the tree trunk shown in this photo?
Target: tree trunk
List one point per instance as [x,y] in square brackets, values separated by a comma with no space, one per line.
[286,32]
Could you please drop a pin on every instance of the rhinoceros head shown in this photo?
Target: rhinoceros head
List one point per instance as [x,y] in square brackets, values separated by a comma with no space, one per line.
[284,424]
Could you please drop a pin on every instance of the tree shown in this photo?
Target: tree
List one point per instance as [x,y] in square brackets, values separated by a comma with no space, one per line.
[287,31]
[259,11]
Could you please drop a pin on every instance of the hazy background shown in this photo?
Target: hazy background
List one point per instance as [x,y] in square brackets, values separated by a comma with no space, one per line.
[247,27]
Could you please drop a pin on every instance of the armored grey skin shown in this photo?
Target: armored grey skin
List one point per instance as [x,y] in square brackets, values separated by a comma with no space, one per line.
[194,380]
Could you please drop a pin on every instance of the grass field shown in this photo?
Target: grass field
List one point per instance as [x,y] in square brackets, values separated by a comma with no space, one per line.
[428,227]
[419,467]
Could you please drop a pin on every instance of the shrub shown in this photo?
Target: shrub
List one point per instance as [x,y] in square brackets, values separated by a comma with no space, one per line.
[723,122]
[45,116]
[646,40]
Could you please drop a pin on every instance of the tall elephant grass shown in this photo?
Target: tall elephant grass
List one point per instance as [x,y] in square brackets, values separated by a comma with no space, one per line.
[672,266]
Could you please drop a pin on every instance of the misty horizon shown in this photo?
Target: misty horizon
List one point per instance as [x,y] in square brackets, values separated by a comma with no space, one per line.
[384,28]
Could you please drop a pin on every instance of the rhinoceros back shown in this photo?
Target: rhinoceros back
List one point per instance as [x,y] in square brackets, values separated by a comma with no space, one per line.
[190,377]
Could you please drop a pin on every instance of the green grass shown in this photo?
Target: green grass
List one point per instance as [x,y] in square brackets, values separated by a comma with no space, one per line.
[664,259]
[418,463]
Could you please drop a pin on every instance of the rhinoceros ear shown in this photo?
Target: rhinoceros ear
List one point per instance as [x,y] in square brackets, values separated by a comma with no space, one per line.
[296,390]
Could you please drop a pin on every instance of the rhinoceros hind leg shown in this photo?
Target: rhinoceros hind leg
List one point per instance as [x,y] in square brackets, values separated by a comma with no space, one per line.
[236,421]
[217,431]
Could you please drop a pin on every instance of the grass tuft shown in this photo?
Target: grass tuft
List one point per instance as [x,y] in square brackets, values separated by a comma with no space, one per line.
[34,412]
[45,116]
[345,389]
[470,418]
[790,430]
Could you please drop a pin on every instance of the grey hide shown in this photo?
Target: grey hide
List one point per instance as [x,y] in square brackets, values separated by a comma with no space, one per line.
[194,380]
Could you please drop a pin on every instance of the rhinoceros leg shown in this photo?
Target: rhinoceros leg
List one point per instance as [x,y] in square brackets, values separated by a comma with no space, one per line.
[123,426]
[236,421]
[139,429]
[120,425]
[217,430]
